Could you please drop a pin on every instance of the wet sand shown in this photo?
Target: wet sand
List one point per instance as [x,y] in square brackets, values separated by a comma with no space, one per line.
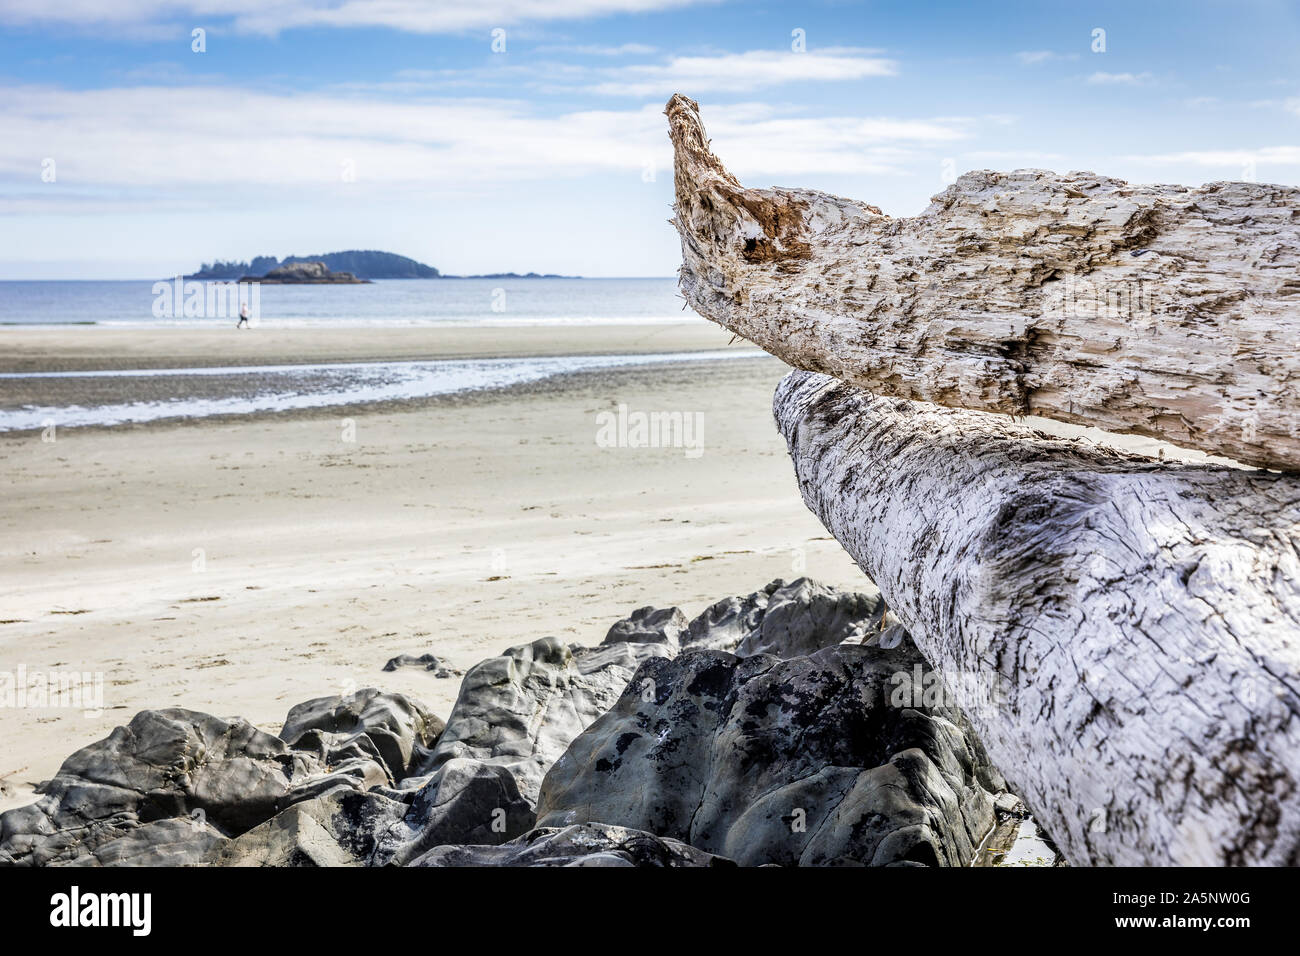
[73,348]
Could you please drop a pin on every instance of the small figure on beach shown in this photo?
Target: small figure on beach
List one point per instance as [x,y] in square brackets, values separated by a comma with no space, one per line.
[243,317]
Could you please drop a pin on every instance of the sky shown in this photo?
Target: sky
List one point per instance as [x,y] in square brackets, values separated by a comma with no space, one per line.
[528,135]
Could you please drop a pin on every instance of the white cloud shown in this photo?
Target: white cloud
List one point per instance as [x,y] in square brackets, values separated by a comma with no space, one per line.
[590,49]
[152,136]
[740,72]
[273,16]
[1119,79]
[1036,57]
[655,79]
[754,143]
[145,143]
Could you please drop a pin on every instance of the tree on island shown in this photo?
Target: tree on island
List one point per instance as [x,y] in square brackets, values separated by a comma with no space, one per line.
[365,264]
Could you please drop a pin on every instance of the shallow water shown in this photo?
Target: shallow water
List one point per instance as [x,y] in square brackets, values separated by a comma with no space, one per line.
[393,302]
[71,399]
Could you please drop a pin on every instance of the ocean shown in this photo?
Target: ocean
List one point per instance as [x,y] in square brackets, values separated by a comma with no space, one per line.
[70,399]
[202,392]
[394,302]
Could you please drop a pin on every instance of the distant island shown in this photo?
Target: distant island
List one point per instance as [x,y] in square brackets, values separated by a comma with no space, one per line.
[513,275]
[357,265]
[362,264]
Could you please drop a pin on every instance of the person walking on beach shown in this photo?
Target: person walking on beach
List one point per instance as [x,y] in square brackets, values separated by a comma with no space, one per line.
[243,317]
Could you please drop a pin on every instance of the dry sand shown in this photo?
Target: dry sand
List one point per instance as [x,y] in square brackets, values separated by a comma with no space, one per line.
[457,527]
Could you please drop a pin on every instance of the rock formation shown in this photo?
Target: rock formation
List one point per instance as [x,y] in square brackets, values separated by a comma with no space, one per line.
[587,844]
[513,718]
[173,785]
[394,729]
[847,756]
[371,779]
[305,273]
[785,620]
[341,827]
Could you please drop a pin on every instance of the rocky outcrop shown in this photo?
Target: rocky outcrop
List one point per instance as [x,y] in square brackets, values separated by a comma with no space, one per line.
[465,801]
[515,715]
[165,764]
[339,828]
[847,756]
[173,785]
[728,622]
[393,729]
[175,841]
[521,710]
[305,273]
[586,844]
[649,625]
[803,617]
[636,759]
[786,620]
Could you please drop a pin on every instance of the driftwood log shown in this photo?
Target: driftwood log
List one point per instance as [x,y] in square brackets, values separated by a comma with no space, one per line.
[1159,310]
[1124,633]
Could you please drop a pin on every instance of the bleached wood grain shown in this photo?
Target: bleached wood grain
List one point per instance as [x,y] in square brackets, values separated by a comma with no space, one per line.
[1124,633]
[1164,311]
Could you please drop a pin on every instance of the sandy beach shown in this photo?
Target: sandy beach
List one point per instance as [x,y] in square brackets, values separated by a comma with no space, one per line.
[241,565]
[35,348]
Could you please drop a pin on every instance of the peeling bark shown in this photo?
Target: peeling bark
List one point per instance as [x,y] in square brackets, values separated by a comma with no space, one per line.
[1159,310]
[1124,633]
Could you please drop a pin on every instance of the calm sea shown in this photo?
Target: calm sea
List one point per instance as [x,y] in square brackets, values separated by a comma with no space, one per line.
[39,400]
[390,302]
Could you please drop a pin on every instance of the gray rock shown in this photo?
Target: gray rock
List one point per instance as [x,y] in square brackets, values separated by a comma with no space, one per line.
[163,764]
[723,756]
[339,828]
[515,715]
[825,759]
[586,844]
[803,617]
[522,709]
[1010,805]
[649,625]
[428,662]
[176,841]
[786,620]
[393,728]
[725,624]
[465,801]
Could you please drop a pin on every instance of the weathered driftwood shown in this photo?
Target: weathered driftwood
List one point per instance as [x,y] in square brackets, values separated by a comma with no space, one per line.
[1124,633]
[1160,310]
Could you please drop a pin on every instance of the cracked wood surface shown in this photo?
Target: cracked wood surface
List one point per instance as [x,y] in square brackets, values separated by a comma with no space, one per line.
[1124,633]
[1158,310]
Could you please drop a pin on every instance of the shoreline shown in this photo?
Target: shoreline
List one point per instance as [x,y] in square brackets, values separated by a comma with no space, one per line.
[245,565]
[42,348]
[550,384]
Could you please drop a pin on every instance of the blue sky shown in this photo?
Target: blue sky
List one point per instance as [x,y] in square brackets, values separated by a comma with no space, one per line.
[314,125]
